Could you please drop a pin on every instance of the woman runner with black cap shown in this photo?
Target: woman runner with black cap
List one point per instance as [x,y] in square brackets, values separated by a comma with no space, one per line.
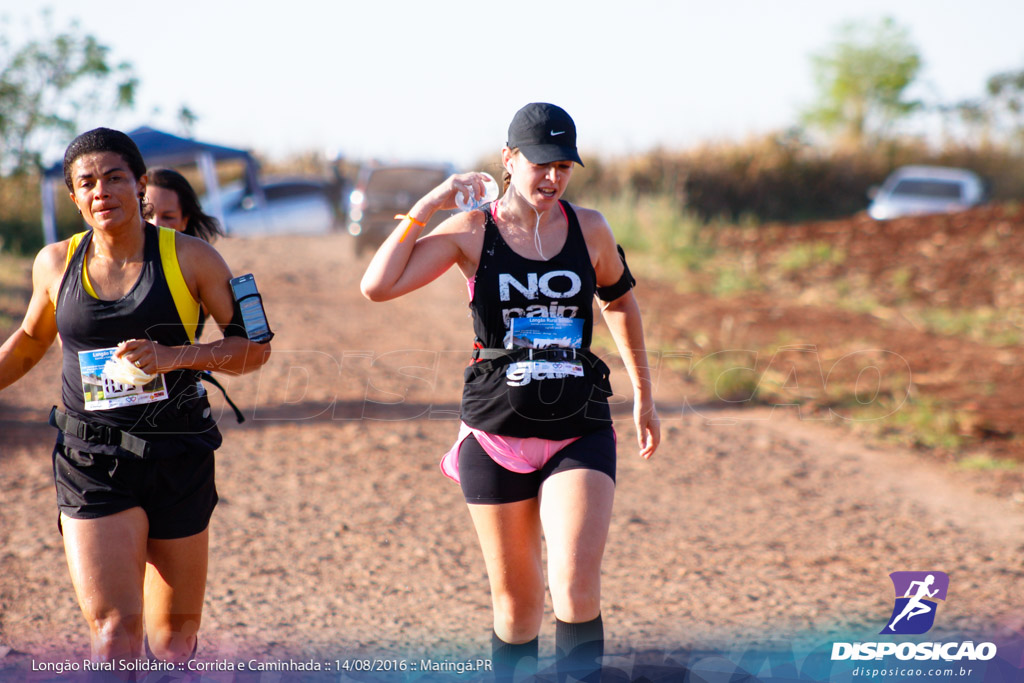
[536,452]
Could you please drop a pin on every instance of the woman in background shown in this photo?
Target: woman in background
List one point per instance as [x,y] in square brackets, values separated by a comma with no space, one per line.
[172,203]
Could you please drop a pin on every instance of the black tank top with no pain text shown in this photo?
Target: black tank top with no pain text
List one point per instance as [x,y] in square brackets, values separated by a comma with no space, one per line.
[555,394]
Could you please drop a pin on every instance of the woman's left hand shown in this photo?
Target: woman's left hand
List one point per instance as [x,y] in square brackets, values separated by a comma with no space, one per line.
[148,356]
[648,427]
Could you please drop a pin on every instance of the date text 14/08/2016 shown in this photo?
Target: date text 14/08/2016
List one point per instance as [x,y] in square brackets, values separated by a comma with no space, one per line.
[422,665]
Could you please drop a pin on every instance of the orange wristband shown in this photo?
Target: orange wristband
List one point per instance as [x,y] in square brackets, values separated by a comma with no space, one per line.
[409,226]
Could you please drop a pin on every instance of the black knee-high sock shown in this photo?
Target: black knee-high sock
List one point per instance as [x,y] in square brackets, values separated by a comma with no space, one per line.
[164,676]
[513,662]
[153,658]
[579,649]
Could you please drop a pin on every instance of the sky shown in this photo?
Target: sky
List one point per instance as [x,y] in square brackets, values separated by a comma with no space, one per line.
[425,80]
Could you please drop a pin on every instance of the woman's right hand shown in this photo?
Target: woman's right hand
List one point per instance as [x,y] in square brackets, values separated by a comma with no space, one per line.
[406,262]
[442,197]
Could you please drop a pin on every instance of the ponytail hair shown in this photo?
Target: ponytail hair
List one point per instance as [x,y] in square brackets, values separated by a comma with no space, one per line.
[506,177]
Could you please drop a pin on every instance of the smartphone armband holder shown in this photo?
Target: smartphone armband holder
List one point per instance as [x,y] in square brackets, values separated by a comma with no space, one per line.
[236,328]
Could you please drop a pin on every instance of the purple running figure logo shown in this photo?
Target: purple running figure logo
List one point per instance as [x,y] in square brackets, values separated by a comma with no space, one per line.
[917,596]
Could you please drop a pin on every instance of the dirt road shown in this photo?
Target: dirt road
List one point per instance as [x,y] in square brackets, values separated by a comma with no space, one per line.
[337,536]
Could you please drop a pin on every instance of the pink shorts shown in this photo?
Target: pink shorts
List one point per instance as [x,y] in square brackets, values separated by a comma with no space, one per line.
[515,454]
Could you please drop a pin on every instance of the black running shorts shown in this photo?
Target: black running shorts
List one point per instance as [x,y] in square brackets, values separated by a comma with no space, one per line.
[177,493]
[485,482]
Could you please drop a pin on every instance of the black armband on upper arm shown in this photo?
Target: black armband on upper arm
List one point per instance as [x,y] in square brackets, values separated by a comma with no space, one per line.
[236,328]
[625,283]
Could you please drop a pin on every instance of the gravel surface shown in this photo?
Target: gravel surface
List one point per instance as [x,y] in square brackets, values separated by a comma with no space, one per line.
[338,537]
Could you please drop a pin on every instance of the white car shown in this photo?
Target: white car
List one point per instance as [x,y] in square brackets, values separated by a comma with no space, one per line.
[915,190]
[293,205]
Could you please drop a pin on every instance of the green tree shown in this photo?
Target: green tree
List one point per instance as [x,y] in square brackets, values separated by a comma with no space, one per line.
[997,117]
[862,80]
[186,120]
[1006,102]
[48,84]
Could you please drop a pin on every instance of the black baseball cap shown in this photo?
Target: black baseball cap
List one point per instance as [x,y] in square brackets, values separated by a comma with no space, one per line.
[544,133]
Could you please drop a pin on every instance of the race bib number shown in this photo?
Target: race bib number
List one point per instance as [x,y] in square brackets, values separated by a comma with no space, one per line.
[545,333]
[103,393]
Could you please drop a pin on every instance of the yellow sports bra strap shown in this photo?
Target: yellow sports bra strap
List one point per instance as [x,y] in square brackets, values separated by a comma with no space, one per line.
[76,239]
[188,307]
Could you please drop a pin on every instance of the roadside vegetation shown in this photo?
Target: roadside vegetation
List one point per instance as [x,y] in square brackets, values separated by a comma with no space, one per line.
[768,313]
[15,289]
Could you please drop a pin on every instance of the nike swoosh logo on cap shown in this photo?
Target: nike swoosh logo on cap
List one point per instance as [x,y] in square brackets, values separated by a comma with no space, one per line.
[553,133]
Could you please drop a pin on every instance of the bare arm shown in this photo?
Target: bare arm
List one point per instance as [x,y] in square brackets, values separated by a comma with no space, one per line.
[404,263]
[623,319]
[207,274]
[626,325]
[26,347]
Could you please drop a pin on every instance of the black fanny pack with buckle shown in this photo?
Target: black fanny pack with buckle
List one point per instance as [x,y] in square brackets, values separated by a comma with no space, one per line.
[98,434]
[553,393]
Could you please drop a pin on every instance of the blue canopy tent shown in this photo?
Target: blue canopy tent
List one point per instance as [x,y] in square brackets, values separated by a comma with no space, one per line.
[163,149]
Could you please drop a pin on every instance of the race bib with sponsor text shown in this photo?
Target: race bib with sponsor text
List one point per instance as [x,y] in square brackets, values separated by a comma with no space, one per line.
[103,393]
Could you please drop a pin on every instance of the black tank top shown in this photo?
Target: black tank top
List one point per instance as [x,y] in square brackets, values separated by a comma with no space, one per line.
[89,327]
[523,394]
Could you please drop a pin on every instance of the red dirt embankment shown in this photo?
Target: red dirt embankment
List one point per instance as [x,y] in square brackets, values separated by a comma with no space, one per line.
[940,299]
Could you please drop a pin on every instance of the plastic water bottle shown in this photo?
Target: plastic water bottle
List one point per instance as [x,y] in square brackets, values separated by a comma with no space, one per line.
[466,202]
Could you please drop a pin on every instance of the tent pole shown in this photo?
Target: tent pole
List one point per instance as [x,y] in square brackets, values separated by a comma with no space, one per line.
[49,211]
[209,172]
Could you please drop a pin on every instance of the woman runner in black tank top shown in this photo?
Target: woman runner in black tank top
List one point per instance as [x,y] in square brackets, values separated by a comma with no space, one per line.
[177,420]
[133,466]
[534,264]
[514,399]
